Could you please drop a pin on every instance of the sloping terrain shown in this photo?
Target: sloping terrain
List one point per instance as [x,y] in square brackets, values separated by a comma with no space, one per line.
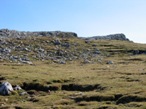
[73,73]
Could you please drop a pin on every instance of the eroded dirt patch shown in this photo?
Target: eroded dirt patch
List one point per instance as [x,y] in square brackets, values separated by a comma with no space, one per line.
[39,87]
[98,98]
[67,87]
[76,87]
[130,98]
[117,98]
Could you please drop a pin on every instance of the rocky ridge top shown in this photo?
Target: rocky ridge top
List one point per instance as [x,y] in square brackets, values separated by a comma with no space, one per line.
[6,33]
[109,37]
[57,47]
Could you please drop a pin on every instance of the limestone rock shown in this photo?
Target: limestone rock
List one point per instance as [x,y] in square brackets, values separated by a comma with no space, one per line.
[6,33]
[6,88]
[109,37]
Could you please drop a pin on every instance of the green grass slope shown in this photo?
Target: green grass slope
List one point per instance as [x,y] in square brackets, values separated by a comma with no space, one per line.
[76,84]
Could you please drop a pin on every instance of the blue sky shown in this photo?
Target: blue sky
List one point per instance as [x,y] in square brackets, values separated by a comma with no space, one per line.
[85,17]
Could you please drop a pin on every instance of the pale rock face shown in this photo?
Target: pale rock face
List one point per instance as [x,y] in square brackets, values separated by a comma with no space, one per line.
[109,37]
[6,33]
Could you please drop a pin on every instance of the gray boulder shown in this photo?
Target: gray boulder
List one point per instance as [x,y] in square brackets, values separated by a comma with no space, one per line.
[6,88]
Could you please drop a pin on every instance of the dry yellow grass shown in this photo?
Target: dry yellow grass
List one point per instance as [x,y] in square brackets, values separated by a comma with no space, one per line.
[126,78]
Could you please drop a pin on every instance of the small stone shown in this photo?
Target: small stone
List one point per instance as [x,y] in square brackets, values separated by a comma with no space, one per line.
[56,42]
[6,99]
[86,61]
[23,93]
[110,62]
[17,87]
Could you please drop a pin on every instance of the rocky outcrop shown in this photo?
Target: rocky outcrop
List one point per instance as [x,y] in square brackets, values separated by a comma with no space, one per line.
[6,33]
[16,47]
[109,37]
[5,88]
[51,49]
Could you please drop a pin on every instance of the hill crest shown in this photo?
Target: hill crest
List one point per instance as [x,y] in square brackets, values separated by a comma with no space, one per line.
[6,33]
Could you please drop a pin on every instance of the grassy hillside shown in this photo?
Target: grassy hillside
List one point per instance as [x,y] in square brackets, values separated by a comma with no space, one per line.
[97,74]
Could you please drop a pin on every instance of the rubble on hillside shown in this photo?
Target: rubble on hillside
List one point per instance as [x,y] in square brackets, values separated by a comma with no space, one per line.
[60,51]
[57,47]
